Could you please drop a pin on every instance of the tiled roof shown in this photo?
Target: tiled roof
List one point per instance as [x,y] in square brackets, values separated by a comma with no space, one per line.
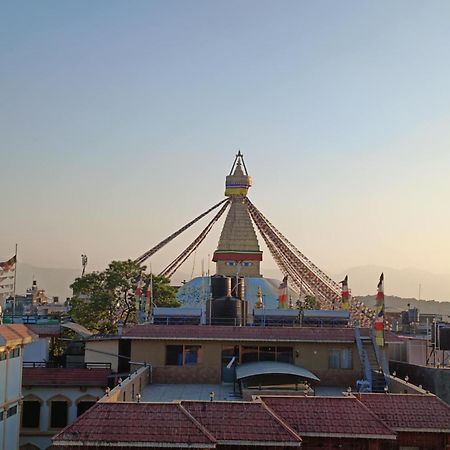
[409,412]
[241,421]
[45,330]
[248,333]
[328,416]
[204,332]
[155,423]
[42,376]
[15,334]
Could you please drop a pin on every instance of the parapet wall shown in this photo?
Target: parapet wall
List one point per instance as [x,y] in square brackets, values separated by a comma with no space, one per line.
[433,379]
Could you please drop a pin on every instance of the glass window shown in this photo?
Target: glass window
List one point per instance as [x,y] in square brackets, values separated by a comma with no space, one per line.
[2,356]
[346,358]
[174,355]
[192,354]
[58,414]
[31,411]
[12,411]
[334,360]
[285,354]
[267,354]
[14,353]
[249,354]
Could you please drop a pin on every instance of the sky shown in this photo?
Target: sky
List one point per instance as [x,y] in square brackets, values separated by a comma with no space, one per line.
[120,120]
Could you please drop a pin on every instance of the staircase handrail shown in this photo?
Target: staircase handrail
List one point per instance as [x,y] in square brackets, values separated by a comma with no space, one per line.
[381,359]
[363,357]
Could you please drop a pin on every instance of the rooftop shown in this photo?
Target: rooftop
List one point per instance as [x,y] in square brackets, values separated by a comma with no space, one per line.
[156,423]
[42,376]
[15,334]
[405,412]
[329,416]
[246,333]
[241,422]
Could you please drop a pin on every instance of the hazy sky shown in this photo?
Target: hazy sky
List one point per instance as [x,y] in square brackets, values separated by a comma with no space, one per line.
[120,119]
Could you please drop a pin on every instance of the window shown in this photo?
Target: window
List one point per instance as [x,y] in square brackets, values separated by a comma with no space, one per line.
[174,355]
[249,354]
[84,406]
[58,414]
[340,359]
[2,356]
[11,411]
[282,354]
[180,355]
[14,353]
[267,354]
[192,354]
[30,414]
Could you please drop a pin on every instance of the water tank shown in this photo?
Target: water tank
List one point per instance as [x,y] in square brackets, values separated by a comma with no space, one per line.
[444,338]
[238,287]
[220,286]
[226,311]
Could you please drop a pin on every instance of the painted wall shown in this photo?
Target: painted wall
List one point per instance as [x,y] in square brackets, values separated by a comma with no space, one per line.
[103,351]
[41,437]
[311,356]
[37,351]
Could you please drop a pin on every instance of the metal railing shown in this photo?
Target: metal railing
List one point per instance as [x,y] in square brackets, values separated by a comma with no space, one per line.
[58,365]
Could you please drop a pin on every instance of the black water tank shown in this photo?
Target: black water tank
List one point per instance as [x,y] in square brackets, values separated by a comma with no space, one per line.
[238,287]
[226,311]
[444,338]
[220,286]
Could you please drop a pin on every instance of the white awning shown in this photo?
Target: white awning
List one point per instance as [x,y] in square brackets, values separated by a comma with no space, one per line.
[272,367]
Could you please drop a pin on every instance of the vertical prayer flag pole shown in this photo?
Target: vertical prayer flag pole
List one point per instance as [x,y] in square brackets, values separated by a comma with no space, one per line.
[345,294]
[14,288]
[378,325]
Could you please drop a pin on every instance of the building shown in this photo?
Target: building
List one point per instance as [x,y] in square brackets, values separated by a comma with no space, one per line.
[54,397]
[13,338]
[361,422]
[202,354]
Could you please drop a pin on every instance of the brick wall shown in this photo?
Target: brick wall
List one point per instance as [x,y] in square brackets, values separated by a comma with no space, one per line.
[192,374]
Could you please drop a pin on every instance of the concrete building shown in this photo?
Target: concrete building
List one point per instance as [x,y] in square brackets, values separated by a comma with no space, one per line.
[13,338]
[209,354]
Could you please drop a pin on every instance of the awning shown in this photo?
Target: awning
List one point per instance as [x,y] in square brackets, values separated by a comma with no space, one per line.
[79,329]
[272,367]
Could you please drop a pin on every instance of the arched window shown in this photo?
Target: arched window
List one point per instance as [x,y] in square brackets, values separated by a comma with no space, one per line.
[59,411]
[31,412]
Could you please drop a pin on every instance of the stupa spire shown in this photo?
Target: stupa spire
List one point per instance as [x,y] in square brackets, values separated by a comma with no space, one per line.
[238,251]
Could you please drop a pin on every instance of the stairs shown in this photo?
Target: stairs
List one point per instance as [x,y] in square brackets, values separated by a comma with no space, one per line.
[378,382]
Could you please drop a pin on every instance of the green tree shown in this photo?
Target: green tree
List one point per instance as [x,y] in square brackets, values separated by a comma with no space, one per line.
[310,302]
[102,299]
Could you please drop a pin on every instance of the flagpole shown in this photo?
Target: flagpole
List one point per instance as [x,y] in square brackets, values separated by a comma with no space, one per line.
[14,288]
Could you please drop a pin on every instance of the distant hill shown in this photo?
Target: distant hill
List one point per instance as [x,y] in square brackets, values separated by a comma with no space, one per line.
[401,304]
[404,283]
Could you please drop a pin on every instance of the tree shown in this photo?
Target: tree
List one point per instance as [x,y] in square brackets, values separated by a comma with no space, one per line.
[102,299]
[310,302]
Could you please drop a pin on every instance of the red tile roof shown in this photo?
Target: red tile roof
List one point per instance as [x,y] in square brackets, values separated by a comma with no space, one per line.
[15,334]
[241,422]
[42,376]
[329,416]
[204,332]
[248,333]
[155,423]
[409,412]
